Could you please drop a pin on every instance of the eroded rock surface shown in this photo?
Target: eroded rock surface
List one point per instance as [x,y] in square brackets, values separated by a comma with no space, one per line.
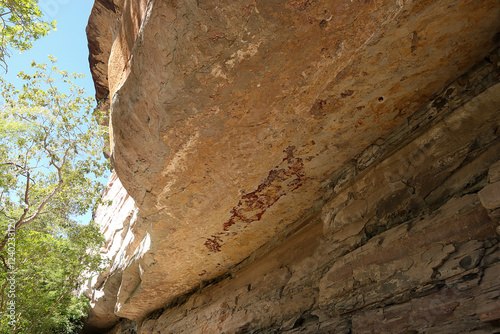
[117,218]
[404,245]
[235,121]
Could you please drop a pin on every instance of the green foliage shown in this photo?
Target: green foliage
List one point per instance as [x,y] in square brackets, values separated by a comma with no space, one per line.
[49,270]
[21,25]
[50,162]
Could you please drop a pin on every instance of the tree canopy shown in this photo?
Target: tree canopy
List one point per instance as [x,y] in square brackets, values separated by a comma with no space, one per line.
[50,164]
[21,24]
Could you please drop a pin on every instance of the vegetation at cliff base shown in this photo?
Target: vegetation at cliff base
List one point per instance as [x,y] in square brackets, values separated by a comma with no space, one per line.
[50,161]
[50,165]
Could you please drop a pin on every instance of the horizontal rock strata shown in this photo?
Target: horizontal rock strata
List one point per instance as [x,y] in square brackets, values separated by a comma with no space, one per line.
[235,123]
[405,244]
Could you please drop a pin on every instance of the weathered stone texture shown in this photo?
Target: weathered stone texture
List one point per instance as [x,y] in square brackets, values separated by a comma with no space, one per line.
[117,218]
[239,126]
[382,255]
[103,26]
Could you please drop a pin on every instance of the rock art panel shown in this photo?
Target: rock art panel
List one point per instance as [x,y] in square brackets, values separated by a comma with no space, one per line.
[431,266]
[230,118]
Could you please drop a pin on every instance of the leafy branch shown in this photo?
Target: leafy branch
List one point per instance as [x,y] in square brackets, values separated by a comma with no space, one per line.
[21,25]
[50,161]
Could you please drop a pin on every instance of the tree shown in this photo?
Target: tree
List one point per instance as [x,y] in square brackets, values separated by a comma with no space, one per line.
[50,161]
[22,24]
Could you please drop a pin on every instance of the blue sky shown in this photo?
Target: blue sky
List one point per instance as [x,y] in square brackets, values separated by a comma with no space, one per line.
[68,44]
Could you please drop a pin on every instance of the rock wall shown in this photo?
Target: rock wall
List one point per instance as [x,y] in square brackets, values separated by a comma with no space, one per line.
[117,218]
[299,166]
[407,243]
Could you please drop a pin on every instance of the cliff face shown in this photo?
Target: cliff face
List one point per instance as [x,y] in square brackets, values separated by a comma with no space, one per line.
[117,218]
[319,159]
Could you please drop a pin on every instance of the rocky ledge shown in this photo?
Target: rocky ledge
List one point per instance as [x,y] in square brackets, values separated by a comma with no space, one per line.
[235,124]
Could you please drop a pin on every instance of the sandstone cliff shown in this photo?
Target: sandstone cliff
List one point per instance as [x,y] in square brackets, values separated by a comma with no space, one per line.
[299,165]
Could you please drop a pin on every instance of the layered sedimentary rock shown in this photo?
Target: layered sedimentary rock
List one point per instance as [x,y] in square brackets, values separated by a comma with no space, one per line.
[117,218]
[406,242]
[236,124]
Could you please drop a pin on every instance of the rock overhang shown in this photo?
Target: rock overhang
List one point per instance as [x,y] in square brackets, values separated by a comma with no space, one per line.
[229,118]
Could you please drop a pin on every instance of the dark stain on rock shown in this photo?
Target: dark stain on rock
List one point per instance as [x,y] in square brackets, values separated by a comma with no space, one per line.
[414,41]
[450,91]
[496,38]
[463,80]
[300,4]
[317,108]
[289,154]
[439,103]
[347,93]
[109,5]
[466,262]
[469,277]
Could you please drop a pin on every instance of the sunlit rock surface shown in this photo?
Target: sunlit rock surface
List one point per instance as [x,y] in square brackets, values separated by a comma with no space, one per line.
[117,217]
[234,122]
